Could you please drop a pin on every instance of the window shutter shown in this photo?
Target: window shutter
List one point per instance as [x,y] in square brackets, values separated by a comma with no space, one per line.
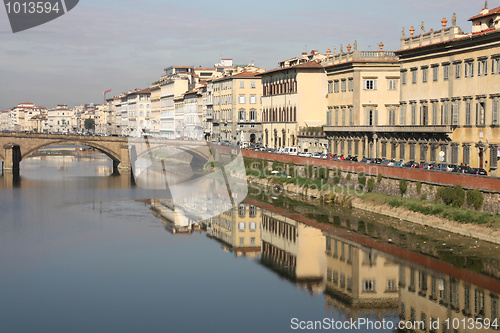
[375,84]
[376,117]
[494,118]
[367,117]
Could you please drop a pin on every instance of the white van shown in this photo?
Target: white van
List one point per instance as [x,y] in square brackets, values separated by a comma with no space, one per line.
[290,151]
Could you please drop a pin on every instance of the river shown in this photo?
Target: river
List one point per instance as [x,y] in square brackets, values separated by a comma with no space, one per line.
[75,260]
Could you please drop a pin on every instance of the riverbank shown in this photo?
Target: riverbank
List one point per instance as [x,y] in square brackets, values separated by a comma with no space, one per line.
[348,198]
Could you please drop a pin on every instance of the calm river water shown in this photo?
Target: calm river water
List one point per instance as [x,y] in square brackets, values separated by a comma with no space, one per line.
[72,261]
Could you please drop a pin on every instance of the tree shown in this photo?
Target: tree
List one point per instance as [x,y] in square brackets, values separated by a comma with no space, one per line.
[89,124]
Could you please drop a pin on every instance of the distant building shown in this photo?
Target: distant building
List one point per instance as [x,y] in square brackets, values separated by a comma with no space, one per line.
[237,107]
[59,119]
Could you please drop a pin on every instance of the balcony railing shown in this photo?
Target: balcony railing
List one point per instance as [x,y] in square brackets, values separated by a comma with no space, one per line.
[392,129]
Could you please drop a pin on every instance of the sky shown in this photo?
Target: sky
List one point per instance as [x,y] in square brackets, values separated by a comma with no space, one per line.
[123,44]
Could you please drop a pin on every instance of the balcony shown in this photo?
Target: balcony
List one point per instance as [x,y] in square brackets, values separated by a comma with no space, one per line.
[437,129]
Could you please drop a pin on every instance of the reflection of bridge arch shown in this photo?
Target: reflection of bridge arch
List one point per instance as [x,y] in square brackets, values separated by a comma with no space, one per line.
[199,153]
[108,152]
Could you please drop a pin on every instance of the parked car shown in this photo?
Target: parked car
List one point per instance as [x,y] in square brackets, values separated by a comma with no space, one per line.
[304,154]
[365,160]
[461,169]
[351,158]
[316,155]
[477,171]
[411,164]
[426,166]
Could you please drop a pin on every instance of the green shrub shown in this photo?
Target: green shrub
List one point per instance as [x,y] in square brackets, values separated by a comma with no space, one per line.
[323,173]
[458,196]
[371,184]
[337,174]
[379,178]
[419,187]
[395,203]
[423,197]
[452,196]
[362,179]
[349,177]
[475,198]
[403,186]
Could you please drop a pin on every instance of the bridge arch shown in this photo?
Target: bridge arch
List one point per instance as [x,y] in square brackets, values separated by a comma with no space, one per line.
[114,156]
[195,153]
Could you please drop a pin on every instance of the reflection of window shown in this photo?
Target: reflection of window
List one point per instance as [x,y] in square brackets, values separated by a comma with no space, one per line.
[368,285]
[252,241]
[391,285]
[242,241]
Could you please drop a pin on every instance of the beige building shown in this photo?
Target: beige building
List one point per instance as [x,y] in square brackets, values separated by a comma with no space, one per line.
[363,96]
[19,117]
[239,229]
[294,250]
[155,109]
[237,107]
[428,295]
[293,97]
[59,119]
[361,277]
[450,94]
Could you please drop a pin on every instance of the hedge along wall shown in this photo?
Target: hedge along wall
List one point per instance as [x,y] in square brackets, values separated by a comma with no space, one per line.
[387,179]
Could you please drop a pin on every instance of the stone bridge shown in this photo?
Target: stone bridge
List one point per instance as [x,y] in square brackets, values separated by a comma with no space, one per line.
[15,146]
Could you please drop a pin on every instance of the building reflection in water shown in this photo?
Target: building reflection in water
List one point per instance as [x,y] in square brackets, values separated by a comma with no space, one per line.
[238,230]
[294,250]
[360,281]
[360,277]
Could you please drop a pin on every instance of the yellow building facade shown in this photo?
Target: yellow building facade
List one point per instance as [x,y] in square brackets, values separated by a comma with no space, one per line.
[450,86]
[293,97]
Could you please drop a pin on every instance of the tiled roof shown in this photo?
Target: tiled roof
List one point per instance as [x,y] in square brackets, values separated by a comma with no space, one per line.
[305,65]
[489,13]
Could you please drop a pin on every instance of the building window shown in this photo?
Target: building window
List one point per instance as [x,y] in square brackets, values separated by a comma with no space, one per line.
[413,114]
[444,114]
[242,99]
[242,241]
[349,147]
[482,67]
[241,226]
[368,285]
[343,116]
[391,117]
[402,151]
[384,149]
[350,84]
[242,115]
[394,147]
[433,153]
[480,114]
[435,73]
[455,114]
[343,85]
[469,69]
[393,84]
[403,77]
[330,87]
[253,115]
[495,66]
[446,71]
[336,116]
[252,84]
[253,99]
[402,115]
[351,116]
[329,116]
[414,76]
[242,84]
[434,113]
[424,74]
[252,211]
[370,84]
[468,118]
[466,152]
[493,156]
[454,154]
[412,151]
[458,69]
[494,113]
[336,86]
[253,226]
